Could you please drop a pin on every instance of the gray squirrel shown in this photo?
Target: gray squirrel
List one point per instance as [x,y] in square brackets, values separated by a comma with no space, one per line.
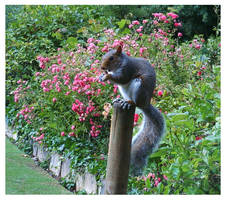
[136,81]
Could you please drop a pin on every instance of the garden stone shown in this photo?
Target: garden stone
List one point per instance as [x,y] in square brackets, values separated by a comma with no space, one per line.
[15,136]
[65,168]
[42,154]
[86,182]
[80,182]
[9,132]
[55,164]
[101,187]
[90,183]
[35,149]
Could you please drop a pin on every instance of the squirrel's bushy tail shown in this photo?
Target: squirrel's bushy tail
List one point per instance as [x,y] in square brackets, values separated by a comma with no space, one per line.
[147,139]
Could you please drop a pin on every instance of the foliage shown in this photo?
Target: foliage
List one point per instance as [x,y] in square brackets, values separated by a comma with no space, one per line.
[198,19]
[65,107]
[33,30]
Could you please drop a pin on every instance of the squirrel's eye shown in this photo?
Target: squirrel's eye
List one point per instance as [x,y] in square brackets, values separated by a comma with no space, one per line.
[111,58]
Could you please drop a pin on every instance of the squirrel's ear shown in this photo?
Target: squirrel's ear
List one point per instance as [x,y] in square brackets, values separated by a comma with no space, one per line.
[119,50]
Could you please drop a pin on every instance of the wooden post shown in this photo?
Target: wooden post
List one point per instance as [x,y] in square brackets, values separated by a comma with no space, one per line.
[119,150]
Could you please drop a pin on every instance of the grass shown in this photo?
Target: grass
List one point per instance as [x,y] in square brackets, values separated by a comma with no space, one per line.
[24,177]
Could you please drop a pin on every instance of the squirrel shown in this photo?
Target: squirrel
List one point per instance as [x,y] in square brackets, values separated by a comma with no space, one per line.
[136,81]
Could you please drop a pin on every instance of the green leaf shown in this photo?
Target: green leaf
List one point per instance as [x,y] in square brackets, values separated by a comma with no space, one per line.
[81,30]
[177,116]
[57,35]
[174,170]
[148,183]
[186,123]
[72,41]
[161,151]
[166,190]
[186,167]
[52,125]
[122,23]
[181,119]
[126,31]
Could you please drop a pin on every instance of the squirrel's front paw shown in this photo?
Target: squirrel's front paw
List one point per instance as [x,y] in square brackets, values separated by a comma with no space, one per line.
[104,77]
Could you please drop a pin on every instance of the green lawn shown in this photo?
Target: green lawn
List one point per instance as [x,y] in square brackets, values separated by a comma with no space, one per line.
[24,177]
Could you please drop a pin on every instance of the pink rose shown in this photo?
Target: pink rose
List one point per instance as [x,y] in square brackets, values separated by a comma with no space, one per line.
[135,22]
[136,117]
[177,24]
[141,50]
[156,183]
[199,73]
[173,15]
[41,136]
[128,53]
[155,22]
[198,138]
[160,93]
[105,49]
[165,177]
[59,61]
[37,73]
[71,134]
[180,34]
[198,46]
[163,17]
[90,40]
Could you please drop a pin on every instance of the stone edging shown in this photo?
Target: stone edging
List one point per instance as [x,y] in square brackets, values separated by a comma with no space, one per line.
[60,167]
